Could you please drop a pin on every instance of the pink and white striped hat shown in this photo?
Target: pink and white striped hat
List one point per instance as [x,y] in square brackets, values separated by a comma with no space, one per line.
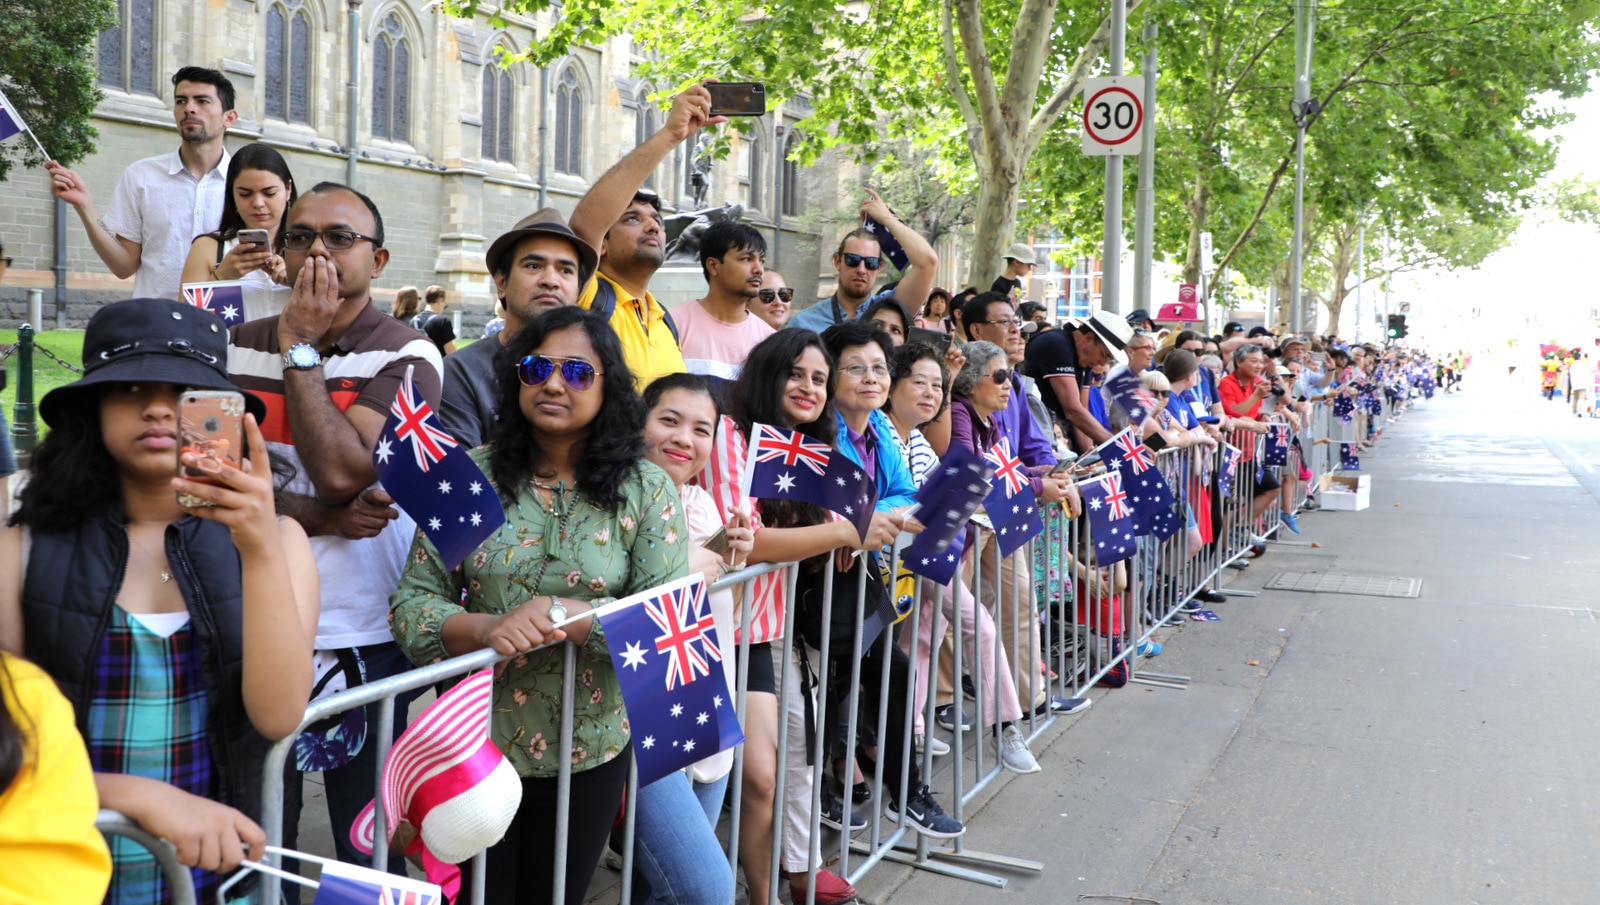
[446,778]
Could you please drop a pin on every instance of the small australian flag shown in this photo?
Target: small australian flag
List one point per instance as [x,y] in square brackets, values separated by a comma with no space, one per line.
[433,479]
[1147,489]
[1344,408]
[1276,451]
[664,648]
[1110,518]
[945,502]
[788,465]
[1231,457]
[1125,388]
[225,299]
[1349,457]
[351,884]
[1011,505]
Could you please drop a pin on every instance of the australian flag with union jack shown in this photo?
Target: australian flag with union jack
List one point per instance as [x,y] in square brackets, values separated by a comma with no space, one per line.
[664,647]
[225,299]
[788,465]
[433,479]
[1011,505]
[1111,528]
[945,504]
[350,884]
[1231,457]
[1276,449]
[1152,499]
[1125,389]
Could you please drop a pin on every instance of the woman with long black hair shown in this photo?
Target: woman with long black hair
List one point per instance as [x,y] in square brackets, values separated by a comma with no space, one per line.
[588,520]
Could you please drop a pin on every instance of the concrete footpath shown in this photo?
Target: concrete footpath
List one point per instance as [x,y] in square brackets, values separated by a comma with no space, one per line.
[1352,749]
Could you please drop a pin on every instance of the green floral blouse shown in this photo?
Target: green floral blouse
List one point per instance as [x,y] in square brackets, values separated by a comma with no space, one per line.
[573,549]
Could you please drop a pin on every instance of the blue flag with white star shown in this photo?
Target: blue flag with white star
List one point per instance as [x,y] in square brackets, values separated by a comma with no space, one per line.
[1110,518]
[1011,505]
[224,298]
[664,647]
[1231,457]
[10,120]
[1349,457]
[1124,387]
[433,479]
[788,465]
[1276,449]
[1147,489]
[945,502]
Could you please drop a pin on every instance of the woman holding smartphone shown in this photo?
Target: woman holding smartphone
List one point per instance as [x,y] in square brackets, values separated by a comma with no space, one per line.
[258,192]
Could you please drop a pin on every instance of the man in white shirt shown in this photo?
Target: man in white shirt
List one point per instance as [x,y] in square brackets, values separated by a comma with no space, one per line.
[717,332]
[162,203]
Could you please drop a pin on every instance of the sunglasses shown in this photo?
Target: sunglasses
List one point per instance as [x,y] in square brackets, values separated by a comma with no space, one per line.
[1001,376]
[767,295]
[851,259]
[576,373]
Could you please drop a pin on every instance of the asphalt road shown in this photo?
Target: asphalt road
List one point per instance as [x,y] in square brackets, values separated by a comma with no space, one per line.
[1353,749]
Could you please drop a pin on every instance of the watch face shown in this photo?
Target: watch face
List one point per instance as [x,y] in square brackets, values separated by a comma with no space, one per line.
[303,356]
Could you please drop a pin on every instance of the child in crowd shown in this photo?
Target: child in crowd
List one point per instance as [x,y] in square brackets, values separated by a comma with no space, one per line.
[181,635]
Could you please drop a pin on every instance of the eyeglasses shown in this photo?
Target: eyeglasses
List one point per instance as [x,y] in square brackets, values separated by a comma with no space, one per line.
[859,371]
[767,295]
[332,239]
[1001,376]
[1010,323]
[851,259]
[576,373]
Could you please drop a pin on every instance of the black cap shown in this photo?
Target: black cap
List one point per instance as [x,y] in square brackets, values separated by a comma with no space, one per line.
[1258,331]
[1230,328]
[151,341]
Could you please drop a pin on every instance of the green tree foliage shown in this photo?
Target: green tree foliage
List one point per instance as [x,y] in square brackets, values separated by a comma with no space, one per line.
[47,72]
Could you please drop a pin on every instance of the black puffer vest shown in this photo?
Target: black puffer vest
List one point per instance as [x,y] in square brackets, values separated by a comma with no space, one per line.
[73,578]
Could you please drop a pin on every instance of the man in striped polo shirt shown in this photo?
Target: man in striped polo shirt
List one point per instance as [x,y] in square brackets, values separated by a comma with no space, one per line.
[328,368]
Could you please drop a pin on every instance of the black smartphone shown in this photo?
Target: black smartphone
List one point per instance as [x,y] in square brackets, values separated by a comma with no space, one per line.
[738,98]
[934,338]
[1156,442]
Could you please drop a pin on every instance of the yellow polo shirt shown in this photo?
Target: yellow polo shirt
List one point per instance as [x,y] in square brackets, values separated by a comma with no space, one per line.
[647,342]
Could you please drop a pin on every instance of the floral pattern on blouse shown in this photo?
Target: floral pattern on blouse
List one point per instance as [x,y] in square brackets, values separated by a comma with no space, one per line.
[572,549]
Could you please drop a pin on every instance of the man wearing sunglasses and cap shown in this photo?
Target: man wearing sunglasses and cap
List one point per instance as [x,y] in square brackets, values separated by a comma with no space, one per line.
[857,263]
[1061,361]
[538,265]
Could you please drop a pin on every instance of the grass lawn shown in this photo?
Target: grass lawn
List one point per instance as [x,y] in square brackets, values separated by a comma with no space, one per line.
[47,375]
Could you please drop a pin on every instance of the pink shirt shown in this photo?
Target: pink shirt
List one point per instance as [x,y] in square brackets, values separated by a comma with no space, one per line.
[715,348]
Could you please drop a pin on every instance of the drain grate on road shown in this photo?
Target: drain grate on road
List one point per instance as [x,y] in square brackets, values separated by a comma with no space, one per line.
[1339,583]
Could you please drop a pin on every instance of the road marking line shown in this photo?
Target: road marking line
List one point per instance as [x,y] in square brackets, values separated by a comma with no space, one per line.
[1575,457]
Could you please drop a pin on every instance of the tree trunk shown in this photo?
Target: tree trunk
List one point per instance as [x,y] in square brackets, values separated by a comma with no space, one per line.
[995,222]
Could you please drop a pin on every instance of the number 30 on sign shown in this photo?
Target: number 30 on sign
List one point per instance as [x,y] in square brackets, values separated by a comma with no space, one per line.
[1113,115]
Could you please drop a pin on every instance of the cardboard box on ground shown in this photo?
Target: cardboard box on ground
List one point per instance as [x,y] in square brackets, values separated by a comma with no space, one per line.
[1347,492]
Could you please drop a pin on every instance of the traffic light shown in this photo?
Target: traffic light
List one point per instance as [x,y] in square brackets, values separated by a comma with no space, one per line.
[1397,326]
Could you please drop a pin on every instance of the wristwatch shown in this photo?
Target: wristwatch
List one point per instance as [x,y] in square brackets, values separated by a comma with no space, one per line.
[558,613]
[301,357]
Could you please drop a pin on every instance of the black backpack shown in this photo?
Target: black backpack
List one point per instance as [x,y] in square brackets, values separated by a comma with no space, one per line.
[605,302]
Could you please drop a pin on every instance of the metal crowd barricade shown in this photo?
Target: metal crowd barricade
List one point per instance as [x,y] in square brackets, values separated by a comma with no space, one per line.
[179,880]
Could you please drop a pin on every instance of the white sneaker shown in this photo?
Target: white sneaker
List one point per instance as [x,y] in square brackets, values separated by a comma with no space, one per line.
[940,749]
[1014,753]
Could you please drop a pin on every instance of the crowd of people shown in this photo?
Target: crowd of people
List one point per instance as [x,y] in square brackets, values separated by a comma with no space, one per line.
[184,638]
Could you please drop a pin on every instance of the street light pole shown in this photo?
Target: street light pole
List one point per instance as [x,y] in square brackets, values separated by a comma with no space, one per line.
[1303,109]
[1111,253]
[1144,202]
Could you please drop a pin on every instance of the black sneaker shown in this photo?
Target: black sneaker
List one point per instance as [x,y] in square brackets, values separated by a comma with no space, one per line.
[924,815]
[968,689]
[946,718]
[1206,595]
[833,813]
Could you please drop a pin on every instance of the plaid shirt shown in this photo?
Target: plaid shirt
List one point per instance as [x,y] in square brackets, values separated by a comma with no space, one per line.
[147,717]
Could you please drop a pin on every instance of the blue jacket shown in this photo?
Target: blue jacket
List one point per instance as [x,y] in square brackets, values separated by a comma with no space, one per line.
[895,487]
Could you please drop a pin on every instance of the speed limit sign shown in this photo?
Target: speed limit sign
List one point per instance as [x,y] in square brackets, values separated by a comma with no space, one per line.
[1113,115]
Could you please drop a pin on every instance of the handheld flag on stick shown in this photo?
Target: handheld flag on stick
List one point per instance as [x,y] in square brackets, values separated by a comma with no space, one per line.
[433,479]
[1149,494]
[225,299]
[944,504]
[1231,456]
[663,643]
[1110,518]
[1349,457]
[1126,391]
[11,123]
[788,465]
[1276,450]
[1011,505]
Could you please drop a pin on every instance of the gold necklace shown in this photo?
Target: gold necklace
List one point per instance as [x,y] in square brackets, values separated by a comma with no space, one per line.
[166,574]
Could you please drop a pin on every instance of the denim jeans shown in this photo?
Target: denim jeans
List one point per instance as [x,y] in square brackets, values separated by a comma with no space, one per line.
[349,788]
[677,859]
